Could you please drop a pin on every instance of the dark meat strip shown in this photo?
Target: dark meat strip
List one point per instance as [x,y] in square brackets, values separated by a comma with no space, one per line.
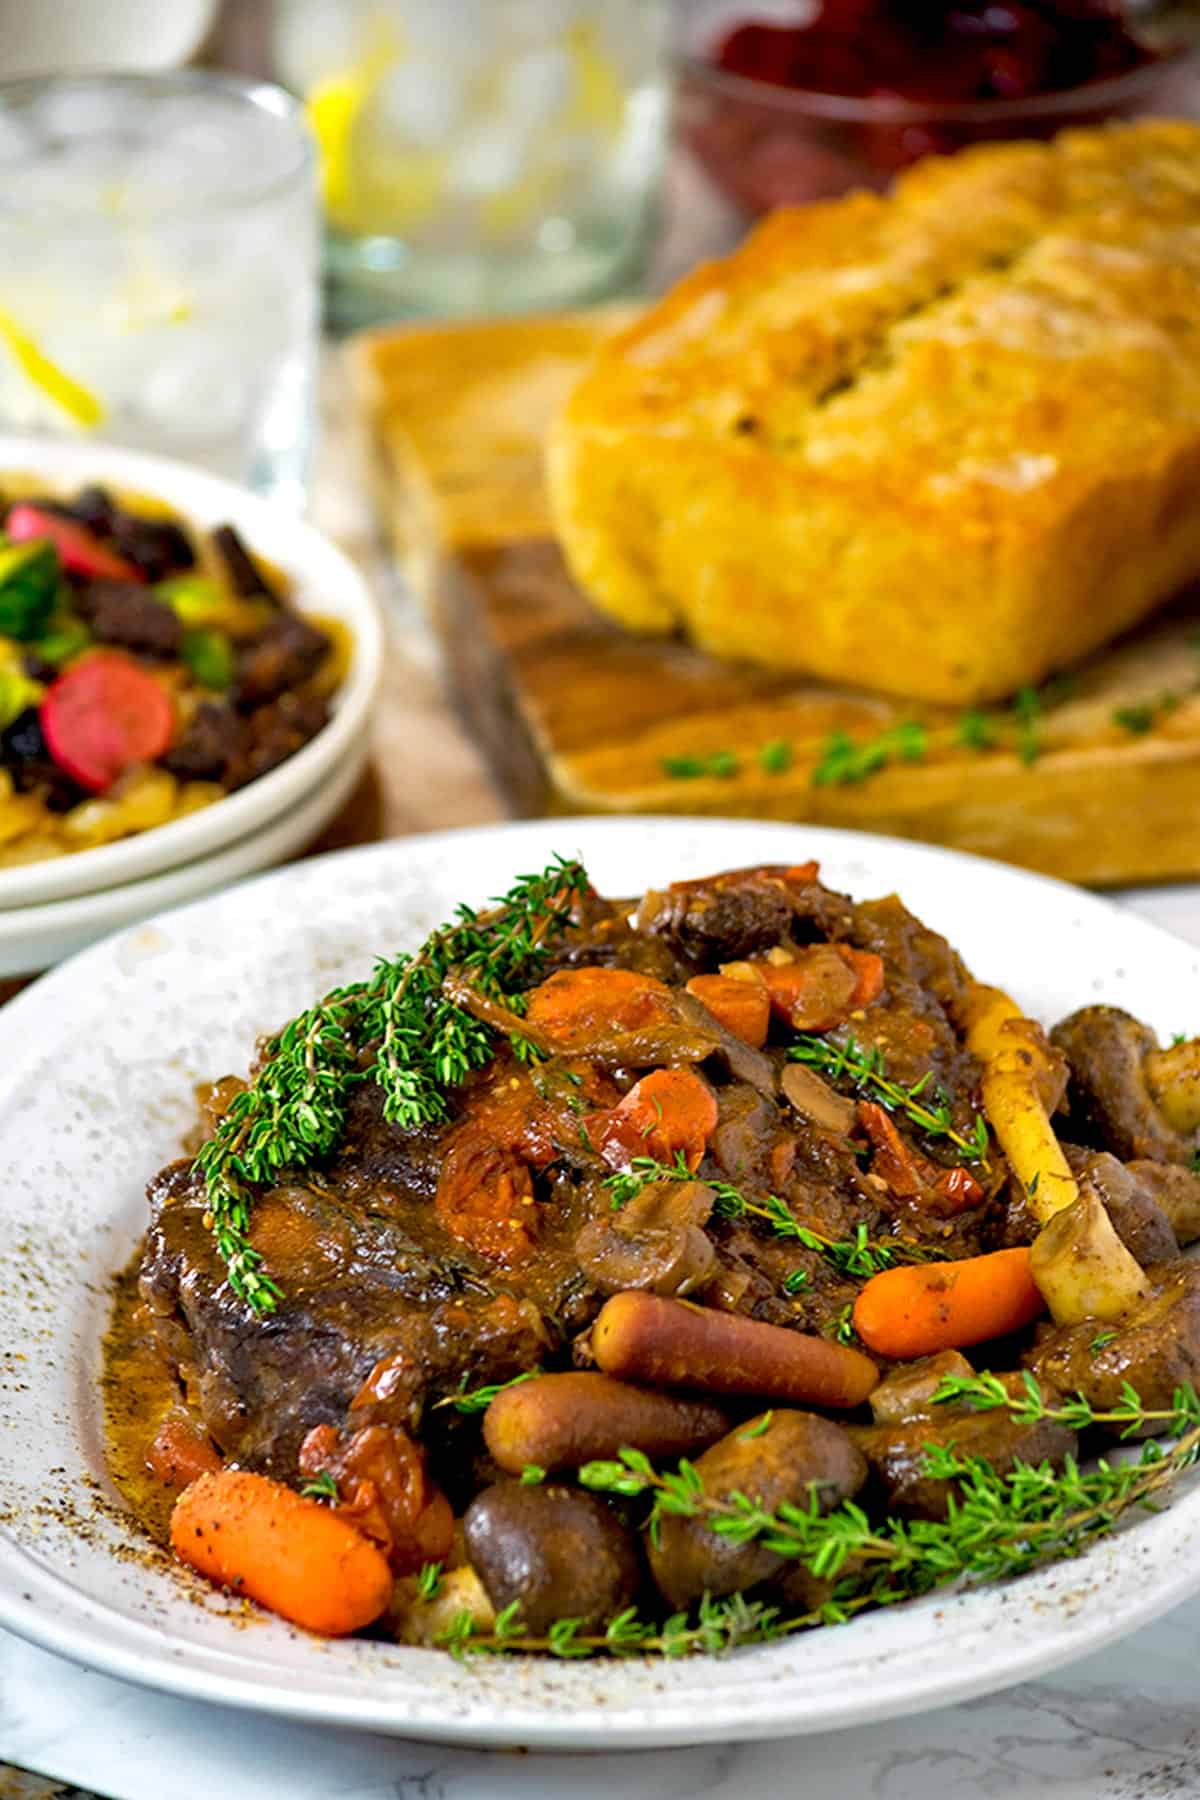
[245,577]
[209,744]
[158,547]
[26,756]
[124,613]
[284,656]
[274,733]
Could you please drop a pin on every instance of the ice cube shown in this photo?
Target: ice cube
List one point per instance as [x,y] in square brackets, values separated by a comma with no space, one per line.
[420,102]
[200,388]
[315,40]
[488,161]
[537,87]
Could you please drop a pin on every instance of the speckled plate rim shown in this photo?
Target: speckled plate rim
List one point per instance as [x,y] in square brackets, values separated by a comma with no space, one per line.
[93,1099]
[325,581]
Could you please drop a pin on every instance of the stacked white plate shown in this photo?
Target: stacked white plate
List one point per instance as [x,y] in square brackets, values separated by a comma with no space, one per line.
[50,909]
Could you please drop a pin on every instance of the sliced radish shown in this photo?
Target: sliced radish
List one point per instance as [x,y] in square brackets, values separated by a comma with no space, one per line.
[104,715]
[78,550]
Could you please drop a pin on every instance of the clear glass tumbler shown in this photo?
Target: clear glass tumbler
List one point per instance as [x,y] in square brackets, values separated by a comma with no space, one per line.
[159,263]
[480,155]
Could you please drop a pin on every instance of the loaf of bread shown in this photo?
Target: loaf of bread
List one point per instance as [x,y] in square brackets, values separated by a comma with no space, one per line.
[939,444]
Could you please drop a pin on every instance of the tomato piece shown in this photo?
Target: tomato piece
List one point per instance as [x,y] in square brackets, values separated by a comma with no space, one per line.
[181,1451]
[668,1112]
[79,551]
[104,715]
[485,1196]
[743,1007]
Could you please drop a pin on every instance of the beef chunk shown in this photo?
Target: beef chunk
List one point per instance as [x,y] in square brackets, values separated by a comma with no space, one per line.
[211,741]
[1156,1348]
[723,918]
[273,733]
[125,613]
[245,577]
[287,653]
[158,547]
[1175,1190]
[1110,1104]
[381,1307]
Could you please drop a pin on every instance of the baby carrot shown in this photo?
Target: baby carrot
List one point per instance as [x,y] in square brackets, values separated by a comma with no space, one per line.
[743,1007]
[256,1537]
[916,1311]
[868,968]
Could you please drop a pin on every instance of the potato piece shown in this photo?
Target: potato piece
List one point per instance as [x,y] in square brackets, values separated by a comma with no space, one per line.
[1082,1267]
[1173,1078]
[797,1455]
[1023,1082]
[907,1393]
[417,1621]
[559,1553]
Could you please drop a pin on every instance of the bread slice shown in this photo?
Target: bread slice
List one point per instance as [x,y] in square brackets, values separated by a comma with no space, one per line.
[939,444]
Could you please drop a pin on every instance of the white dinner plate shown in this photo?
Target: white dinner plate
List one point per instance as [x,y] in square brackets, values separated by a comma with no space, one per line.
[323,581]
[37,937]
[99,1063]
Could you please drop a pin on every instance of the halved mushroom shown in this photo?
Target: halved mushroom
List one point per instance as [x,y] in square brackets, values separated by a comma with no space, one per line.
[816,1101]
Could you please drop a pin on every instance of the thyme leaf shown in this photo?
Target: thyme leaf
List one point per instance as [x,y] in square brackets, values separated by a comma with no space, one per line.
[867,1070]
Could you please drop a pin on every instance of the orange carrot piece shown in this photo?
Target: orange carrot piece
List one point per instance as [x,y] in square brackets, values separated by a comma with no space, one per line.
[868,969]
[909,1312]
[180,1451]
[254,1536]
[575,1005]
[742,1007]
[815,992]
[668,1112]
[802,873]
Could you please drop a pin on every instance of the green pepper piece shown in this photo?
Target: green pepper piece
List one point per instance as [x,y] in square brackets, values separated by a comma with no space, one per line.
[209,657]
[194,598]
[66,638]
[28,587]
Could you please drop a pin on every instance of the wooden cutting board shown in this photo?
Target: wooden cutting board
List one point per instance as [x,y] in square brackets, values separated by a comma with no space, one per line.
[1097,782]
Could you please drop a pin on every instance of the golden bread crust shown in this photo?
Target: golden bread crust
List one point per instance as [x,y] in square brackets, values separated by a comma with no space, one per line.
[939,444]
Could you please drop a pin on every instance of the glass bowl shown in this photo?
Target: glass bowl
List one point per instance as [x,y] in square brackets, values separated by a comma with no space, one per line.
[765,146]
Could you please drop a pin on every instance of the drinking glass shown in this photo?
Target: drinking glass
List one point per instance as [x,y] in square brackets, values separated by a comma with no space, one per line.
[159,247]
[480,155]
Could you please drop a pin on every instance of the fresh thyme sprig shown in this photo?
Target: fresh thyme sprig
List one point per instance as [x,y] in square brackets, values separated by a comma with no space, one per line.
[859,1255]
[323,1486]
[867,1069]
[418,1041]
[479,1399]
[986,1393]
[427,1043]
[716,1626]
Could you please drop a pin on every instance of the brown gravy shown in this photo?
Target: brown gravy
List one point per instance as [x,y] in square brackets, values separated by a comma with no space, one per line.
[138,1391]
